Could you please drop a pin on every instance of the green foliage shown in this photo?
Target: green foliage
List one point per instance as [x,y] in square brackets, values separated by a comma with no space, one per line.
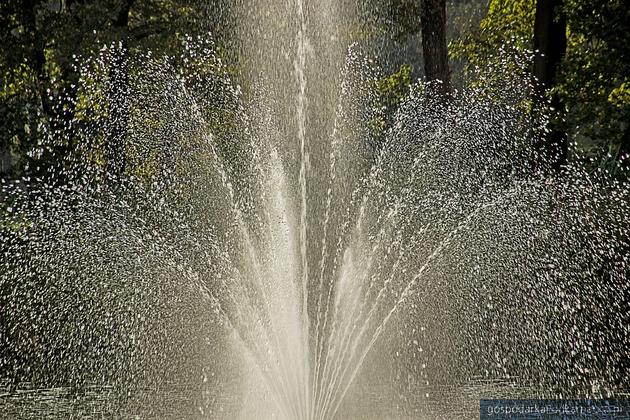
[594,77]
[394,88]
[497,52]
[391,90]
[507,22]
[42,41]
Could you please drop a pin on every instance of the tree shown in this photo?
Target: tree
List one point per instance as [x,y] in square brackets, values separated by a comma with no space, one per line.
[433,22]
[595,79]
[592,82]
[119,86]
[550,45]
[39,80]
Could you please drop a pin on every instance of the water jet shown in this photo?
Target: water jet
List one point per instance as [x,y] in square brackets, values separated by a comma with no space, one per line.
[268,254]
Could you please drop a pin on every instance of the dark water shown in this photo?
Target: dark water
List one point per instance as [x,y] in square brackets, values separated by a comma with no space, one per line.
[99,402]
[447,401]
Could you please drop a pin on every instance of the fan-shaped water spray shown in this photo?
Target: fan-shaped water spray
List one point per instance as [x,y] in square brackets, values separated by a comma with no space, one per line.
[231,242]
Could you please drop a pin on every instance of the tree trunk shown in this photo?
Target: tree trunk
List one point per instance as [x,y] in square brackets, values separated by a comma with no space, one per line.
[57,111]
[119,103]
[38,57]
[434,42]
[550,44]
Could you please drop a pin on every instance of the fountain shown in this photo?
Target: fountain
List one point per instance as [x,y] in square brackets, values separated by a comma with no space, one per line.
[275,248]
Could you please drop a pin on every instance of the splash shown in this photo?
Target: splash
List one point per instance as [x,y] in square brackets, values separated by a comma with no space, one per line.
[443,236]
